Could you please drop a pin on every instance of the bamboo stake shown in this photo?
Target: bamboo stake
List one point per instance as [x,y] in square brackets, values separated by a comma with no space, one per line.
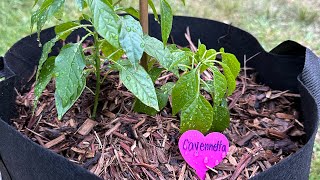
[144,21]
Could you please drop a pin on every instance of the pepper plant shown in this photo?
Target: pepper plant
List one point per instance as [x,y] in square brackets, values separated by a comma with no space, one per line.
[115,35]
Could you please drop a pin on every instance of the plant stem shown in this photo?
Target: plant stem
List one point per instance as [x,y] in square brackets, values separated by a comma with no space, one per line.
[144,21]
[97,66]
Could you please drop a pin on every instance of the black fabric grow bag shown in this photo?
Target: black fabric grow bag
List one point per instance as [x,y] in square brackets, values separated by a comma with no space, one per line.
[288,66]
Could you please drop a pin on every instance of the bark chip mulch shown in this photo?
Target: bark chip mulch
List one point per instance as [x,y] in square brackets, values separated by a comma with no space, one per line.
[121,144]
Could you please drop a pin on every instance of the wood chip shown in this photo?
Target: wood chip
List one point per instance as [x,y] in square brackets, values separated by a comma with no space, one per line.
[183,170]
[232,160]
[274,96]
[109,114]
[284,116]
[114,128]
[242,141]
[55,141]
[86,127]
[40,109]
[276,134]
[73,123]
[161,156]
[139,123]
[244,161]
[77,150]
[123,137]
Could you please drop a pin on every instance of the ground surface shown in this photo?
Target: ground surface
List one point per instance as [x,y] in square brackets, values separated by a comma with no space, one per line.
[270,21]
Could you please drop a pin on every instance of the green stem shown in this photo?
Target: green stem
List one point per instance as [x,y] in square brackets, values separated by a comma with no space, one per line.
[97,66]
[85,26]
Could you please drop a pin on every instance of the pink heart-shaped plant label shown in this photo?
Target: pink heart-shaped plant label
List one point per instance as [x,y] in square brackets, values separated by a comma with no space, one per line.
[201,151]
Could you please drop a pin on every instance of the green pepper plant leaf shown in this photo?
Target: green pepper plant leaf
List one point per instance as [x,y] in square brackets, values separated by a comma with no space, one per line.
[118,44]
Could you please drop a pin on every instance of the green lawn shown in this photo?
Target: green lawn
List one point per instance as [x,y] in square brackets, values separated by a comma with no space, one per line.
[271,21]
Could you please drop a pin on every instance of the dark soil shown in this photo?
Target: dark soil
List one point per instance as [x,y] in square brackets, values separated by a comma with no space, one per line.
[264,129]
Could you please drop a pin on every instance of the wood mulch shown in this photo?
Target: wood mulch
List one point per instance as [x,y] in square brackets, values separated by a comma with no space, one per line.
[121,144]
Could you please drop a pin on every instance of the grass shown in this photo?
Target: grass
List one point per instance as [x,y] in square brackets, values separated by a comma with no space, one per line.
[15,20]
[315,166]
[270,21]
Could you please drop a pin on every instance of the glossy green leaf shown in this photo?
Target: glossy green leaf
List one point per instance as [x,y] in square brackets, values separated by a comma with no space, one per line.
[207,86]
[220,86]
[63,30]
[166,20]
[105,20]
[197,114]
[35,3]
[138,81]
[156,49]
[81,4]
[85,17]
[154,10]
[231,61]
[221,119]
[70,79]
[231,80]
[142,108]
[59,14]
[131,39]
[155,73]
[133,12]
[107,49]
[203,55]
[44,56]
[47,9]
[200,54]
[151,62]
[186,89]
[44,78]
[211,54]
[167,88]
[178,57]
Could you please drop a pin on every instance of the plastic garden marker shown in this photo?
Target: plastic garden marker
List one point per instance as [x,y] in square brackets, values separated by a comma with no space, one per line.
[201,152]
